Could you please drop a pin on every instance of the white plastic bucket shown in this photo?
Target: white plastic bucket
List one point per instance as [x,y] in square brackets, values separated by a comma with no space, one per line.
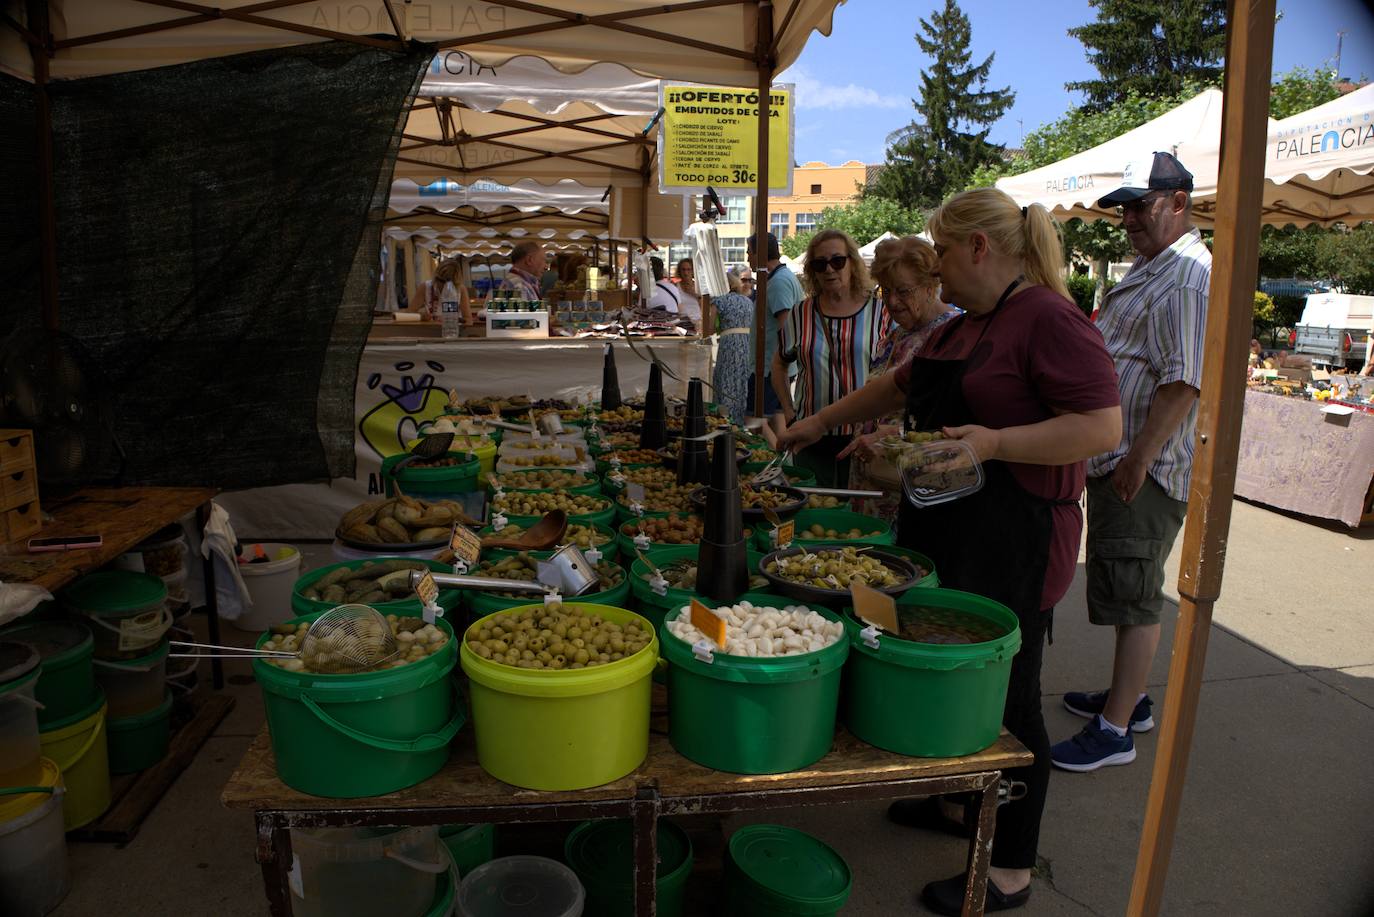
[393,871]
[33,851]
[269,587]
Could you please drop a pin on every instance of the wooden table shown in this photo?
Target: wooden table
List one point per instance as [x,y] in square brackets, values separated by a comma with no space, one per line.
[665,784]
[123,517]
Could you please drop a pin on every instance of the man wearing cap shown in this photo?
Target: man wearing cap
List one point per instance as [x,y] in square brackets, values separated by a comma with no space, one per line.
[1153,323]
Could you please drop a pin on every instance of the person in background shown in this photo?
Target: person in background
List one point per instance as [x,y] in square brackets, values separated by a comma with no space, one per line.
[664,295]
[746,283]
[689,302]
[735,349]
[1154,323]
[906,272]
[552,272]
[834,337]
[428,298]
[1022,379]
[526,266]
[784,293]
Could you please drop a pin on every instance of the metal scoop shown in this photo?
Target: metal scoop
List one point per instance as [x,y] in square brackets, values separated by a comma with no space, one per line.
[575,574]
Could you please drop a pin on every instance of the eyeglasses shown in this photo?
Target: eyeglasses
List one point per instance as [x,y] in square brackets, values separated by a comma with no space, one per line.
[748,280]
[905,294]
[835,262]
[1139,205]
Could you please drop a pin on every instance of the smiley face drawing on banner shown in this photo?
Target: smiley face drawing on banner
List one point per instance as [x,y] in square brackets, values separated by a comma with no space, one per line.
[396,418]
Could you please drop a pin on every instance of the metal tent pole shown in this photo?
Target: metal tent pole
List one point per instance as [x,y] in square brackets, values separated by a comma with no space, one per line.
[763,44]
[1240,185]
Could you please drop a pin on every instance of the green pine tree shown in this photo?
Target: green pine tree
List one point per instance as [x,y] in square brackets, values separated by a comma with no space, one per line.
[1150,48]
[935,155]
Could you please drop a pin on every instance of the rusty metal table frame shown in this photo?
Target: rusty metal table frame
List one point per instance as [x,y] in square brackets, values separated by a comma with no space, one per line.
[644,809]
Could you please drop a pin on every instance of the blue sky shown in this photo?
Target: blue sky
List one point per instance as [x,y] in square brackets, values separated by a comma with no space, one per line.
[856,86]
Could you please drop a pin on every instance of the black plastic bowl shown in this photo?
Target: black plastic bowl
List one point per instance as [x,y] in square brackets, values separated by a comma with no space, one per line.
[791,508]
[806,593]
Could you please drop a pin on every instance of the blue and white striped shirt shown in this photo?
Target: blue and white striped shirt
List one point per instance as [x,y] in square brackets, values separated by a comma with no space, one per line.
[1153,323]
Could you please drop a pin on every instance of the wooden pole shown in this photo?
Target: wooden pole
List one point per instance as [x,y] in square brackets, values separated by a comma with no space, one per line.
[763,44]
[1235,261]
[47,207]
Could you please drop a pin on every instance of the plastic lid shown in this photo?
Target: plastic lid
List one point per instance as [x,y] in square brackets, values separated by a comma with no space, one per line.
[17,662]
[939,471]
[52,639]
[792,867]
[602,852]
[115,592]
[521,886]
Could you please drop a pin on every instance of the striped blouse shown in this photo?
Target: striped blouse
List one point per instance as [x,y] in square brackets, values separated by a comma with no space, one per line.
[1153,323]
[835,355]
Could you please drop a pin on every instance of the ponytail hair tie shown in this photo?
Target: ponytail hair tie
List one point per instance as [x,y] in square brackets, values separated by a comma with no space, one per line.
[1023,213]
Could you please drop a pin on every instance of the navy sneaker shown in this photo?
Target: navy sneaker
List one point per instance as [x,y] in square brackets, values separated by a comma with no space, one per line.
[1089,705]
[1092,748]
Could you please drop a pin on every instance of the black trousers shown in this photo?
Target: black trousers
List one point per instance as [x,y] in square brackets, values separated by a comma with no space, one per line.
[1017,835]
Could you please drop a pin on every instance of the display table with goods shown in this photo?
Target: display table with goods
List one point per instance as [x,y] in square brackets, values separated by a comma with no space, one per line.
[1314,457]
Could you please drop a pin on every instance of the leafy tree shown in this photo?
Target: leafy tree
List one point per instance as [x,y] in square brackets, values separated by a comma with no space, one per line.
[864,221]
[937,152]
[1150,48]
[1300,89]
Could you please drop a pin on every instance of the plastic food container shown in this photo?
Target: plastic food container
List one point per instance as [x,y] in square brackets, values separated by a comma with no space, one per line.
[521,886]
[162,555]
[133,686]
[364,734]
[365,871]
[531,724]
[127,611]
[929,700]
[79,748]
[33,846]
[67,682]
[269,586]
[602,855]
[938,472]
[20,668]
[469,845]
[138,742]
[773,871]
[748,715]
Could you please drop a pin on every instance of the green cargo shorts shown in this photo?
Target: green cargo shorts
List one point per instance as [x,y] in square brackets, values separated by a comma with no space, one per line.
[1128,545]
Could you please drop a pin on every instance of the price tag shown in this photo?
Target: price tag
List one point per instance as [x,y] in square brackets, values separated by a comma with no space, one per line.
[498,522]
[642,541]
[466,546]
[427,589]
[593,555]
[876,608]
[706,621]
[784,533]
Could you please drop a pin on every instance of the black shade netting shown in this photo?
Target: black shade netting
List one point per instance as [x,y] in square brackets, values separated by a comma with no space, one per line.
[19,240]
[218,236]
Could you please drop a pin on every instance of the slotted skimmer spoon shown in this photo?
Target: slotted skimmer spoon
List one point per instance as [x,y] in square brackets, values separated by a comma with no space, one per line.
[345,639]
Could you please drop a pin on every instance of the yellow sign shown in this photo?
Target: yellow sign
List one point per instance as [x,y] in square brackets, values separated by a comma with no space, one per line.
[710,137]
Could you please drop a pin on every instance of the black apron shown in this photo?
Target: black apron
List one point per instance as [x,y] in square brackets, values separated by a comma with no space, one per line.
[996,542]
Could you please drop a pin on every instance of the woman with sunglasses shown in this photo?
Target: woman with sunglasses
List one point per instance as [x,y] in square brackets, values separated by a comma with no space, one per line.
[1023,378]
[906,271]
[834,336]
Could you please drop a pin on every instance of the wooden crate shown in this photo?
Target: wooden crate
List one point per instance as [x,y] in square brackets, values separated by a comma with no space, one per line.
[16,450]
[20,522]
[19,513]
[18,488]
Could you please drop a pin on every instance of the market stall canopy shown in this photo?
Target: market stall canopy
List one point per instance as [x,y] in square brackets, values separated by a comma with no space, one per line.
[446,196]
[707,42]
[540,226]
[870,250]
[1070,188]
[1318,163]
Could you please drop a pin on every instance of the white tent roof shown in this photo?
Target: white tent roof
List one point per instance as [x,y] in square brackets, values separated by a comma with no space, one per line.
[702,42]
[868,251]
[485,196]
[1318,163]
[1070,188]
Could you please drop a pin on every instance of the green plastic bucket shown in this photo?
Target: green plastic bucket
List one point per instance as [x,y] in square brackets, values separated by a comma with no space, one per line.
[600,517]
[842,520]
[448,598]
[602,855]
[654,606]
[433,482]
[469,845]
[511,480]
[127,611]
[533,725]
[930,579]
[775,871]
[655,548]
[485,603]
[753,716]
[928,700]
[139,742]
[365,734]
[67,682]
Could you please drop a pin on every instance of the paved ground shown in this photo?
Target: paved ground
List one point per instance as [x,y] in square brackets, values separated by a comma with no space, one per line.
[1278,817]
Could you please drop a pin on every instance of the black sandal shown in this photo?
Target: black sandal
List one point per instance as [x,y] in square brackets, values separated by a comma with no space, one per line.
[947,897]
[928,814]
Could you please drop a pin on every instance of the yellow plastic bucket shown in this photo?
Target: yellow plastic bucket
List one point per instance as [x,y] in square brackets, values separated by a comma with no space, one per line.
[567,729]
[78,746]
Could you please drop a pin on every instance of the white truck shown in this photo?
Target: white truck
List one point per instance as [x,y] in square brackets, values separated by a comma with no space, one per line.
[1334,329]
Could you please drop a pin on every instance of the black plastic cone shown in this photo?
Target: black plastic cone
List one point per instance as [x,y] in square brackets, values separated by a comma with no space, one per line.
[692,464]
[653,431]
[723,560]
[610,382]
